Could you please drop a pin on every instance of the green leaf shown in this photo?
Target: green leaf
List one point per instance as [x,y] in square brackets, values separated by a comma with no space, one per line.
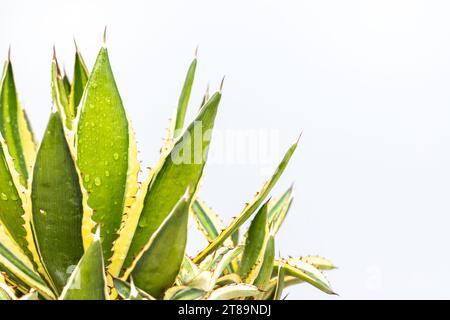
[11,209]
[57,205]
[80,79]
[184,98]
[255,242]
[14,126]
[59,94]
[319,262]
[128,291]
[66,83]
[223,263]
[265,270]
[14,261]
[249,208]
[278,210]
[180,168]
[305,272]
[234,291]
[208,221]
[184,293]
[157,266]
[102,143]
[279,287]
[88,281]
[188,271]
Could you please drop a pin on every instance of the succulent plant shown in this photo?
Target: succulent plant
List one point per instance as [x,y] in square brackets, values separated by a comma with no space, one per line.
[75,222]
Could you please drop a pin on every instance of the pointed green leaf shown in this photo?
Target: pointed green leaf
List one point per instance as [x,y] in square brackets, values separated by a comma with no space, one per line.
[319,262]
[305,272]
[234,291]
[189,270]
[255,242]
[66,83]
[265,270]
[279,287]
[80,79]
[87,281]
[278,210]
[102,144]
[208,221]
[57,205]
[59,94]
[184,98]
[223,263]
[184,293]
[129,292]
[157,266]
[16,263]
[182,167]
[14,126]
[249,209]
[11,210]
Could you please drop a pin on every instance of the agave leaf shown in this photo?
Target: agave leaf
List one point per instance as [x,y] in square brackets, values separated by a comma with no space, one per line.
[223,263]
[12,198]
[184,99]
[128,291]
[184,293]
[265,270]
[231,278]
[201,281]
[14,261]
[305,272]
[80,79]
[249,208]
[180,168]
[157,266]
[279,287]
[208,221]
[59,94]
[14,126]
[234,291]
[88,280]
[256,240]
[57,205]
[66,83]
[102,143]
[318,262]
[278,210]
[211,261]
[189,270]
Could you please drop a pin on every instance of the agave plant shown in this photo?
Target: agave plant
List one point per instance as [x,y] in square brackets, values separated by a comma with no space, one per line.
[75,222]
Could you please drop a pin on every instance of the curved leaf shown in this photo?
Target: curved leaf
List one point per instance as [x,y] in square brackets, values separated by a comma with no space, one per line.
[278,210]
[265,271]
[184,293]
[11,200]
[184,98]
[255,243]
[57,205]
[234,291]
[129,292]
[88,281]
[180,168]
[59,94]
[79,81]
[319,262]
[102,143]
[307,273]
[14,126]
[15,262]
[249,208]
[157,266]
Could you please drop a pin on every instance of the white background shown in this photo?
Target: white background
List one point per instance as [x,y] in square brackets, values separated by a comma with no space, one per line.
[366,81]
